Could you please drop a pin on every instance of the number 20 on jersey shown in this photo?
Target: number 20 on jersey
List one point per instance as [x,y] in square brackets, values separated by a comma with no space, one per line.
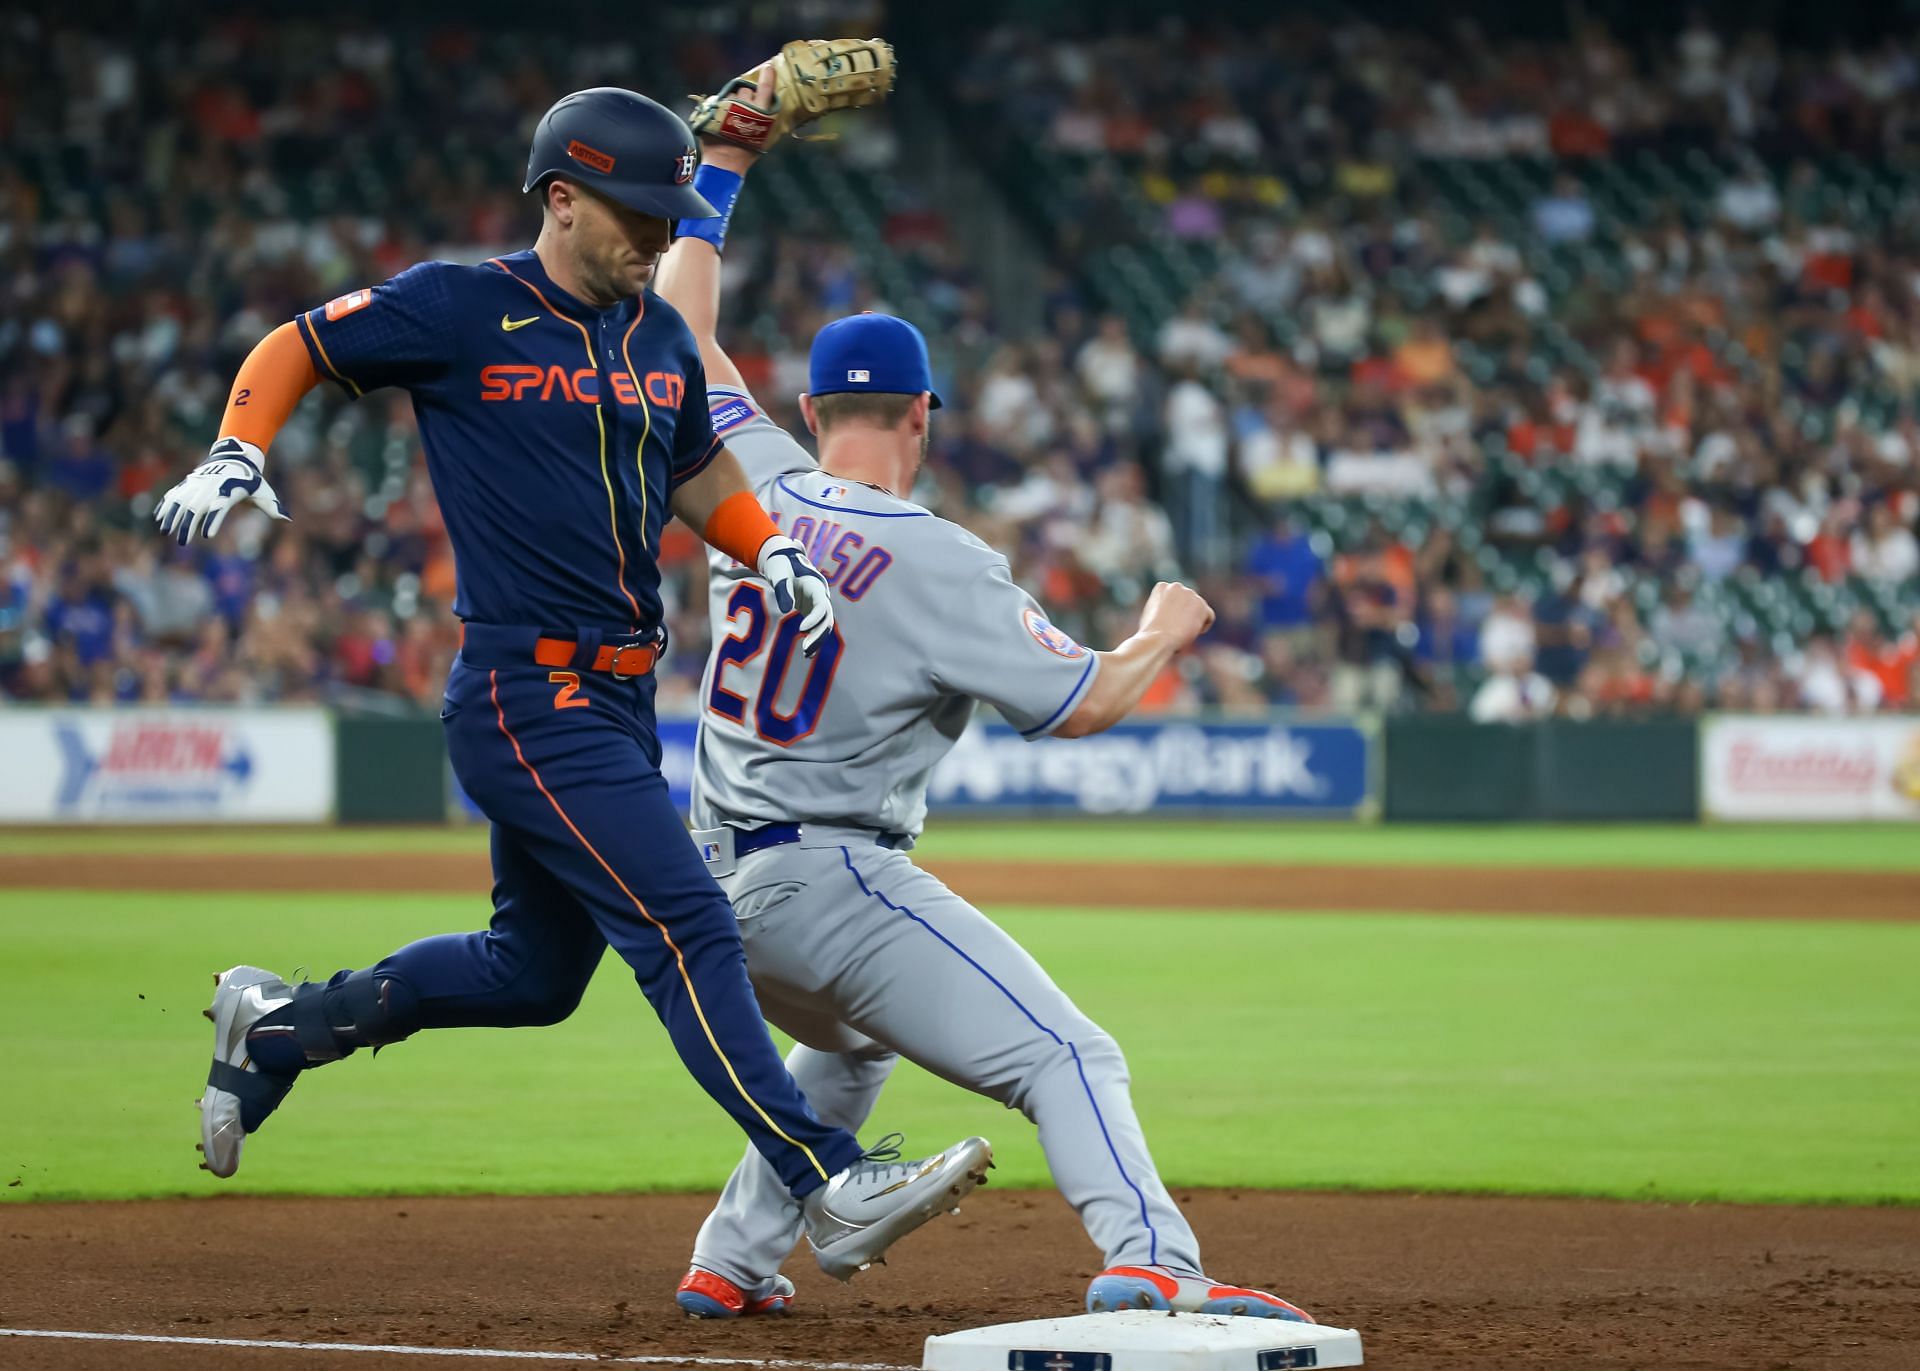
[747,616]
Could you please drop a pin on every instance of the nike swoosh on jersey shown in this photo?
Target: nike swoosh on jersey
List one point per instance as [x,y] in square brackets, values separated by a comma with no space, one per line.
[511,324]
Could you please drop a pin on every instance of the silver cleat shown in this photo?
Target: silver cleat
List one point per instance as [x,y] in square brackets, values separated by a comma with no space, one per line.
[241,998]
[854,1218]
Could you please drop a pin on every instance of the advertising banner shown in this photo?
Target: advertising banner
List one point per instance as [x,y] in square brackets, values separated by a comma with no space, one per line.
[1767,767]
[1139,768]
[126,766]
[1134,768]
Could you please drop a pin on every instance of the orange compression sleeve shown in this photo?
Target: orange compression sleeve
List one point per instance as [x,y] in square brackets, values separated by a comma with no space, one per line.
[740,528]
[273,379]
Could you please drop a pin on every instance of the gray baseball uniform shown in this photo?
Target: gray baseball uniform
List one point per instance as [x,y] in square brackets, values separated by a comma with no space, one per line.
[853,950]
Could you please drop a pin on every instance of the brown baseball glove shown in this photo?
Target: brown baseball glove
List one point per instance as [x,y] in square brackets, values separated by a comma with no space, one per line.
[810,77]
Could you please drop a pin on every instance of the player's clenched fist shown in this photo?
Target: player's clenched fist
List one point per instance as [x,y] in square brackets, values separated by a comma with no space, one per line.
[798,585]
[230,476]
[1178,611]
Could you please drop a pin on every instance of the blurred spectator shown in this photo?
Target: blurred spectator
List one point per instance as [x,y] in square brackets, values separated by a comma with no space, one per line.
[1683,625]
[1372,600]
[1563,631]
[1885,550]
[1284,564]
[1747,200]
[1191,341]
[1111,372]
[1195,462]
[1515,693]
[1565,216]
[1131,541]
[1829,685]
[1448,641]
[1889,665]
[1507,638]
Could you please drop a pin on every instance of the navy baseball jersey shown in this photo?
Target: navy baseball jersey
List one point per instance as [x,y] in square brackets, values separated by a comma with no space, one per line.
[555,432]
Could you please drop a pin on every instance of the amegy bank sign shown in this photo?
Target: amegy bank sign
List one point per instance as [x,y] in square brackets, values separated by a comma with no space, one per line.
[166,765]
[1139,767]
[1765,767]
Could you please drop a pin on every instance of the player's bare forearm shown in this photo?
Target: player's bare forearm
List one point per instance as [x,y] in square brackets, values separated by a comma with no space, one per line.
[1173,617]
[689,277]
[718,504]
[695,501]
[1125,674]
[689,280]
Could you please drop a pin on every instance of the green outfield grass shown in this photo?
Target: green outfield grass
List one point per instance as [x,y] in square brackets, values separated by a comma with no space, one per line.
[1763,1061]
[1815,847]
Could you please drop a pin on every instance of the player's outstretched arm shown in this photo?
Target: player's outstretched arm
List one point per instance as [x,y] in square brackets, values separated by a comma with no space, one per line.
[735,125]
[275,377]
[689,276]
[1174,616]
[718,503]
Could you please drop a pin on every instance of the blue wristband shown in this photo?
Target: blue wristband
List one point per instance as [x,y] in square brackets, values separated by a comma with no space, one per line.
[721,188]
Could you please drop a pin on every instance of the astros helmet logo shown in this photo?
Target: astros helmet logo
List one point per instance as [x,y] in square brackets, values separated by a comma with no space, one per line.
[683,168]
[589,156]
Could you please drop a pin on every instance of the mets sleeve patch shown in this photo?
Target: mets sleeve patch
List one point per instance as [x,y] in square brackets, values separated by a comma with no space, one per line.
[1049,637]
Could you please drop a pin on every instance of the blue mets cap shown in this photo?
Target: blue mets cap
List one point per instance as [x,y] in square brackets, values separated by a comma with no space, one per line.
[624,146]
[872,353]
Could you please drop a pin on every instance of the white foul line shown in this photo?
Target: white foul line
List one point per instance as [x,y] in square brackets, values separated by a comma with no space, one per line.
[773,1364]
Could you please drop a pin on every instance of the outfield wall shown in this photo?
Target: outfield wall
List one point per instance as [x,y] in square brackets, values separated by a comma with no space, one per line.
[1448,769]
[300,765]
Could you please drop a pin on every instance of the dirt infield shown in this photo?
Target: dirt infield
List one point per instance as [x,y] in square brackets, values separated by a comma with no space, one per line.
[1876,896]
[1430,1281]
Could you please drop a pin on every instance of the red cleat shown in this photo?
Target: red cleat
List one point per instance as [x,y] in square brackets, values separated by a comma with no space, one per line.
[703,1295]
[1156,1287]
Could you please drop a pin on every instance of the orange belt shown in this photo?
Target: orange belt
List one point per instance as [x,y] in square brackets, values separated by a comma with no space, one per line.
[635,659]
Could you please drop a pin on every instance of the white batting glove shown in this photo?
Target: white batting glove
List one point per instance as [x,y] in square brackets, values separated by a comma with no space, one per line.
[798,584]
[230,476]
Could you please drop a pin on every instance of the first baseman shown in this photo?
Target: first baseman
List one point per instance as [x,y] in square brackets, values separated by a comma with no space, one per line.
[811,781]
[564,412]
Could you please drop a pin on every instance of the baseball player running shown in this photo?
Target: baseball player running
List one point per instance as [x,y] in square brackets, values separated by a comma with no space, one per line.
[563,409]
[811,777]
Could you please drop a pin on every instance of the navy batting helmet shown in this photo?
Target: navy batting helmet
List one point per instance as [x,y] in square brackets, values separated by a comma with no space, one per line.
[626,147]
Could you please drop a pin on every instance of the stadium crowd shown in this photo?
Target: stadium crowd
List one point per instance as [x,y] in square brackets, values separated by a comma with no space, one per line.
[1350,434]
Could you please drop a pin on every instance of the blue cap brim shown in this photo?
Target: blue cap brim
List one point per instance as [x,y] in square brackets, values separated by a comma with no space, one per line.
[933,396]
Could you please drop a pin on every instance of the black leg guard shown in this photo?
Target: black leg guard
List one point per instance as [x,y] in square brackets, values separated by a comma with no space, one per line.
[369,1009]
[355,1009]
[259,1092]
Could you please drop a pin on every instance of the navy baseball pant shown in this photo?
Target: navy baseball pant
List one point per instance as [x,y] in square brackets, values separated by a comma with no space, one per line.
[588,850]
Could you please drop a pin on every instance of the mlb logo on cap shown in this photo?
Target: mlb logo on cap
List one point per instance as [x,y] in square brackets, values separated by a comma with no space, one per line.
[873,353]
